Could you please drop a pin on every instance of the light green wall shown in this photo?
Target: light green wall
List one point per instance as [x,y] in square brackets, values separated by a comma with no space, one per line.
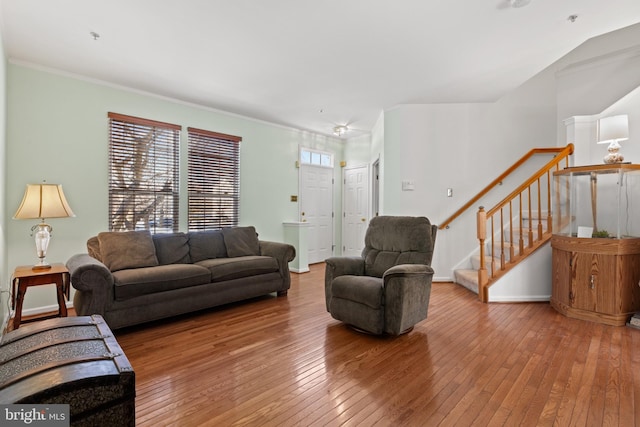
[4,275]
[58,131]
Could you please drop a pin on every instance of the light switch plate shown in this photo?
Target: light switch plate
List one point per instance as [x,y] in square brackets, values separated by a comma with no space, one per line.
[408,185]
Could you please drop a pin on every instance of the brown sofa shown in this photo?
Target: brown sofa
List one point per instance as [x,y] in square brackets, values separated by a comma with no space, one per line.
[135,277]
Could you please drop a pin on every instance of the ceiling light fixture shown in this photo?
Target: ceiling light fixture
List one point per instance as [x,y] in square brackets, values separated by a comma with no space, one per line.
[340,130]
[519,3]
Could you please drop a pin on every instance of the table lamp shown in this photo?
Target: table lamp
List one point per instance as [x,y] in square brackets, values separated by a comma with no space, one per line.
[612,130]
[42,201]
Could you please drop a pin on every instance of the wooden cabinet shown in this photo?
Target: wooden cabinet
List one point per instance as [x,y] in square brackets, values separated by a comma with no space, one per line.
[596,242]
[596,279]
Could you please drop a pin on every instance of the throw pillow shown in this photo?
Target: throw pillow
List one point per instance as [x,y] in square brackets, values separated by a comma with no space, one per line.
[241,241]
[172,248]
[127,249]
[206,245]
[93,247]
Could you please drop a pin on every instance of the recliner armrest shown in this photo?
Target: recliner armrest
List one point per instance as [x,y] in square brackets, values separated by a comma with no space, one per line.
[404,269]
[340,266]
[407,289]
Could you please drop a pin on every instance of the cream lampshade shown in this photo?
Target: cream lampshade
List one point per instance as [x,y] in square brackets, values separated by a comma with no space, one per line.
[612,130]
[42,201]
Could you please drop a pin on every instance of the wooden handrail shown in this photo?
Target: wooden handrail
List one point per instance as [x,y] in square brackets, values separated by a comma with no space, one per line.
[487,276]
[499,179]
[562,153]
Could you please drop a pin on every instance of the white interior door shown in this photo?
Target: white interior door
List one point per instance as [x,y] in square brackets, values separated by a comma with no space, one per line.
[355,202]
[316,208]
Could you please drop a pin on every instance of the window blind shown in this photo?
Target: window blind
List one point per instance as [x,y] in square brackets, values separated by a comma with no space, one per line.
[143,174]
[213,179]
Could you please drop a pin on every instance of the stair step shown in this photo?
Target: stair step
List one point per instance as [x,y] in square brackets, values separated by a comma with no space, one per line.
[475,261]
[507,253]
[525,234]
[535,215]
[468,279]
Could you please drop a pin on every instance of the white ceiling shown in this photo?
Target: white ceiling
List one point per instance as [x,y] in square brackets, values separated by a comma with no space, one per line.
[310,65]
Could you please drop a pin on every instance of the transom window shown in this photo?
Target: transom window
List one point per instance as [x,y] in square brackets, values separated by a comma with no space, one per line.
[316,158]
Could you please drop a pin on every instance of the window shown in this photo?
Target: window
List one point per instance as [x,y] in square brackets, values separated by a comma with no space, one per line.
[316,158]
[214,179]
[143,174]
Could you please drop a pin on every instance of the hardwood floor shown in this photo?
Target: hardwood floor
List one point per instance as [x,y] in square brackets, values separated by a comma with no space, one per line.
[285,361]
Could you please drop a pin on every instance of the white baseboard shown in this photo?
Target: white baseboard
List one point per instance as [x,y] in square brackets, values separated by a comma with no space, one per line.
[299,270]
[523,298]
[44,309]
[5,323]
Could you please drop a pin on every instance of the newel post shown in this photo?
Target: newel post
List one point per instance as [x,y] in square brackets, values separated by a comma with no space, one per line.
[482,272]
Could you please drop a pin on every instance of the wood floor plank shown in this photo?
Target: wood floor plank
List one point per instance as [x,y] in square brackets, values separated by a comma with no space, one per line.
[283,361]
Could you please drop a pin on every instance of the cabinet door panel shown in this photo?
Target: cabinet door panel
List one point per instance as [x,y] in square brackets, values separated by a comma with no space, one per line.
[594,286]
[584,272]
[607,284]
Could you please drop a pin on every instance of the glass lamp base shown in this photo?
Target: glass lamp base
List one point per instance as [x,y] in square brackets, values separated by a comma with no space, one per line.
[614,156]
[42,233]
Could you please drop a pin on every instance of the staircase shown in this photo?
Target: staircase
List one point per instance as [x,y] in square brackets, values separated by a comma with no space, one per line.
[515,227]
[468,277]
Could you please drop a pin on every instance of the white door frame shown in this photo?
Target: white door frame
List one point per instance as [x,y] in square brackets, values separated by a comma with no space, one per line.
[375,188]
[331,168]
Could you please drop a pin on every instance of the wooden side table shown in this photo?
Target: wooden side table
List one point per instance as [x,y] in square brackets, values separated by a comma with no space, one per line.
[24,276]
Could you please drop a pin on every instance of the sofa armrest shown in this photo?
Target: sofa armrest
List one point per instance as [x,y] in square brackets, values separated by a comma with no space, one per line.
[93,282]
[284,253]
[340,266]
[407,288]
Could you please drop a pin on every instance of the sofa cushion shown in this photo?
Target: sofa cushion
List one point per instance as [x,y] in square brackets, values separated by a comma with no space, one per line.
[136,282]
[206,245]
[172,248]
[234,268]
[127,249]
[241,241]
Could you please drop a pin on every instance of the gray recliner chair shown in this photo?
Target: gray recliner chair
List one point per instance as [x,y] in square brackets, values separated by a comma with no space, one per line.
[387,289]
